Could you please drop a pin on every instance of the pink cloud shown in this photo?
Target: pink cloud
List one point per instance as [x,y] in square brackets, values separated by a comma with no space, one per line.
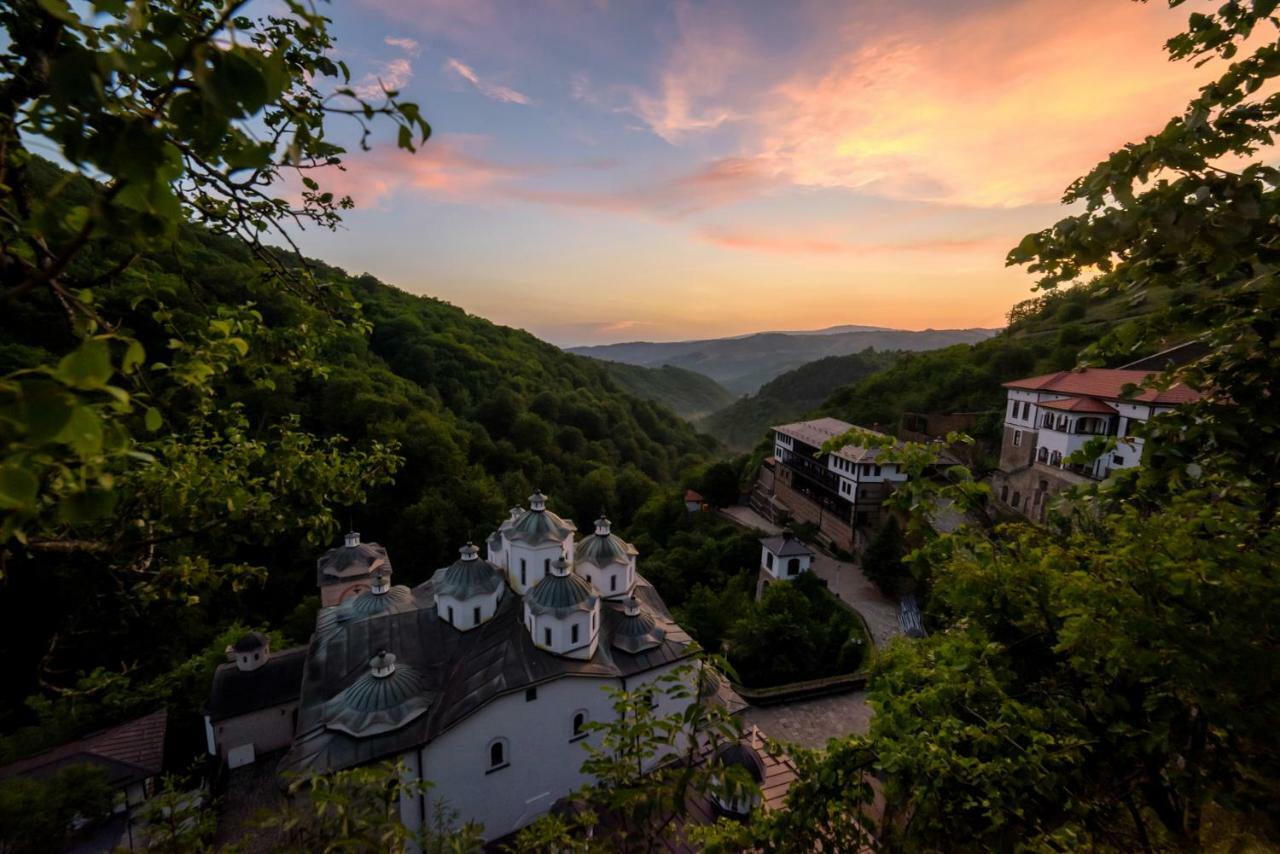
[489,89]
[407,45]
[393,75]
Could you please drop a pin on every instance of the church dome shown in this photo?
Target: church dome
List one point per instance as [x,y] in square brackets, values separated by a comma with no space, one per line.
[637,630]
[469,576]
[561,593]
[381,598]
[604,548]
[384,698]
[538,525]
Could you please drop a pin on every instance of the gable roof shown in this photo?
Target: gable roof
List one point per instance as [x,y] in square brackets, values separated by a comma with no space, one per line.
[815,431]
[128,753]
[1106,383]
[238,692]
[786,546]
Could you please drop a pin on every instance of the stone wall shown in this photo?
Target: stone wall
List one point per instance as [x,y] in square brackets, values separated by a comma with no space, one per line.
[1030,490]
[1017,456]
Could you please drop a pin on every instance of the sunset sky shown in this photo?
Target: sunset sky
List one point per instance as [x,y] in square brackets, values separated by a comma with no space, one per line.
[609,171]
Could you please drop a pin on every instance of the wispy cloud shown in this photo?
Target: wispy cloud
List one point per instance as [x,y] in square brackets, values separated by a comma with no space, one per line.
[785,244]
[392,75]
[407,45]
[487,88]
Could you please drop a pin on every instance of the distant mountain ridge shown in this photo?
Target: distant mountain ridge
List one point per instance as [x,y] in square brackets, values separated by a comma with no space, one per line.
[743,364]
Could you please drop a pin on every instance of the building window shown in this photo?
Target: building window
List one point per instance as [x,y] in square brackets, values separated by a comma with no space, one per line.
[579,725]
[524,576]
[498,754]
[451,613]
[877,471]
[1013,409]
[1117,459]
[475,616]
[573,633]
[793,566]
[1004,494]
[546,566]
[546,636]
[1042,455]
[593,621]
[1017,438]
[1026,410]
[613,583]
[530,694]
[1017,498]
[768,560]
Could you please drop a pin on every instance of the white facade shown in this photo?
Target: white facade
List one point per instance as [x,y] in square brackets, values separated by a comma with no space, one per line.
[784,567]
[466,614]
[1058,434]
[541,753]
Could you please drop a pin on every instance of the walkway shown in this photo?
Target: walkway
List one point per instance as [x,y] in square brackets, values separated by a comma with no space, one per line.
[741,514]
[810,723]
[847,582]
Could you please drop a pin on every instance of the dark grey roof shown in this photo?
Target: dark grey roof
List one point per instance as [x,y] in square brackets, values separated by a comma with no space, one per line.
[250,642]
[368,603]
[346,562]
[603,550]
[460,672]
[464,579]
[560,594]
[537,527]
[785,545]
[636,630]
[238,692]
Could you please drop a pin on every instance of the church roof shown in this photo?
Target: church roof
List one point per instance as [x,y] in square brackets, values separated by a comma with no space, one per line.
[537,527]
[561,594]
[346,562]
[604,549]
[458,673]
[464,579]
[127,753]
[377,703]
[368,603]
[636,630]
[238,692]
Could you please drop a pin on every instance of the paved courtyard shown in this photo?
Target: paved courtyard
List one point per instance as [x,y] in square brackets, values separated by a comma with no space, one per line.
[810,723]
[847,582]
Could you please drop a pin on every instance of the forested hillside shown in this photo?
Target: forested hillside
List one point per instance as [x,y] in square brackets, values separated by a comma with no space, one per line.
[478,415]
[686,393]
[743,364]
[741,424]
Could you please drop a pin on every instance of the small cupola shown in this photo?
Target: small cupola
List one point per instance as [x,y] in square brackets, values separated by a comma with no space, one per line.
[467,592]
[537,501]
[562,613]
[251,651]
[385,698]
[348,570]
[531,542]
[381,581]
[383,664]
[607,561]
[351,540]
[637,630]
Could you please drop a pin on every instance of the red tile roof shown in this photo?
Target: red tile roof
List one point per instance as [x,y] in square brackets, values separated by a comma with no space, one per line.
[135,749]
[1105,383]
[690,495]
[1079,404]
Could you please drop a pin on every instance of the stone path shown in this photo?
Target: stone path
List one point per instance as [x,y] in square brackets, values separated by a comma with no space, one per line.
[847,582]
[741,514]
[810,723]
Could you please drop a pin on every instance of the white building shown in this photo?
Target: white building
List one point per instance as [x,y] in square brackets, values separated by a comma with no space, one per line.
[482,679]
[784,557]
[1048,418]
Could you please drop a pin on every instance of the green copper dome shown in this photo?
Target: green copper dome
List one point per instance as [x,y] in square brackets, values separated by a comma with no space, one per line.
[561,594]
[538,525]
[468,576]
[385,698]
[370,602]
[604,547]
[637,630]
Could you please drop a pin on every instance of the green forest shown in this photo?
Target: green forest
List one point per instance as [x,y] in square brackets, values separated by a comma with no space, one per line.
[688,394]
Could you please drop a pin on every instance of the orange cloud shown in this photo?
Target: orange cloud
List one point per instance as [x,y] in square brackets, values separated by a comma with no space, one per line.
[792,245]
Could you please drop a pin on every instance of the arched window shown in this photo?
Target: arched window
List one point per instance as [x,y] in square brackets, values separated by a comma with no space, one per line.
[579,724]
[793,566]
[498,754]
[768,559]
[1042,455]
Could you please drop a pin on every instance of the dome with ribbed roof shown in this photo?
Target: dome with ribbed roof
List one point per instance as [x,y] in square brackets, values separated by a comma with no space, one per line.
[638,630]
[383,699]
[393,600]
[560,594]
[604,547]
[469,576]
[538,525]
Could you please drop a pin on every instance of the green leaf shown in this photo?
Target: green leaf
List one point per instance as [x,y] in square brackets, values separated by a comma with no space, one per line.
[134,356]
[153,419]
[88,366]
[18,487]
[47,412]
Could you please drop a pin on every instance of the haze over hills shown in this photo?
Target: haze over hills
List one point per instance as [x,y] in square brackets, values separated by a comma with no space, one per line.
[743,364]
[686,393]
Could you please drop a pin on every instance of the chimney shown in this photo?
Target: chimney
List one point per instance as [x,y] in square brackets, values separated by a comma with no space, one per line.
[352,539]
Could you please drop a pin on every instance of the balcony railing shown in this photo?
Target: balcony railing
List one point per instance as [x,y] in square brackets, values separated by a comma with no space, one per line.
[812,469]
